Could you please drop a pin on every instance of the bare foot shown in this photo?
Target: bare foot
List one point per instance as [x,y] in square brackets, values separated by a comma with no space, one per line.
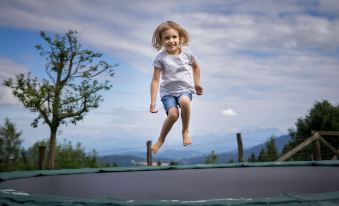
[155,147]
[186,138]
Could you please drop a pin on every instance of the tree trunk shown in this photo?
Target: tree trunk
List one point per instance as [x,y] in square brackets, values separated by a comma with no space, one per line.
[52,149]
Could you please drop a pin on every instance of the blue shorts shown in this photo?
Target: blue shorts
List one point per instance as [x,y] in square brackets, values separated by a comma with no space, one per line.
[170,101]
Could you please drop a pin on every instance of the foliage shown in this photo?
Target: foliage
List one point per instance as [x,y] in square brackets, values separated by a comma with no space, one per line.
[252,158]
[323,116]
[72,88]
[262,155]
[69,156]
[211,158]
[13,157]
[74,157]
[271,150]
[173,163]
[10,143]
[267,154]
[30,157]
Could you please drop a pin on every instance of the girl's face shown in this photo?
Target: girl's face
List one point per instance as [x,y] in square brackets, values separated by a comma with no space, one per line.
[170,41]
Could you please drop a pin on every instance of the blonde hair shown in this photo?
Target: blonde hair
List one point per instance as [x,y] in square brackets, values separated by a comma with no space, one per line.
[183,34]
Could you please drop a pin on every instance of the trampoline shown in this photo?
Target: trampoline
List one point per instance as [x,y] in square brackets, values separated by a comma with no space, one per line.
[278,183]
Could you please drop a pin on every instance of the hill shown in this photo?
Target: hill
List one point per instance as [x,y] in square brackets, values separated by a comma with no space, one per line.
[187,156]
[121,160]
[228,156]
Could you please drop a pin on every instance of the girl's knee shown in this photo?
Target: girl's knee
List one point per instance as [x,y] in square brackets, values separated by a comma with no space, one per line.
[173,114]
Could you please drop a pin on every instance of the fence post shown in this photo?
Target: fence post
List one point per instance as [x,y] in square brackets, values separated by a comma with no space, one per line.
[42,150]
[240,148]
[317,152]
[149,153]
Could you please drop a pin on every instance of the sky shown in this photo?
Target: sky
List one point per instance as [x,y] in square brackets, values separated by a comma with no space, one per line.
[264,64]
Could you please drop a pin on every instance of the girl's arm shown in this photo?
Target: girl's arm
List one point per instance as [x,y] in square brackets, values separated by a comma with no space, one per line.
[154,89]
[196,77]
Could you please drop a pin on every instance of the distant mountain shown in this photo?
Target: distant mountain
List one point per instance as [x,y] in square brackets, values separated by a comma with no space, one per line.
[177,154]
[129,160]
[135,158]
[280,142]
[121,160]
[187,156]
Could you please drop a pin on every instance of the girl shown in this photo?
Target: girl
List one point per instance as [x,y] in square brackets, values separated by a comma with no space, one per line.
[180,75]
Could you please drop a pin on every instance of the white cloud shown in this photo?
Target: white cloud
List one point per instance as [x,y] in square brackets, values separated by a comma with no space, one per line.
[228,112]
[9,68]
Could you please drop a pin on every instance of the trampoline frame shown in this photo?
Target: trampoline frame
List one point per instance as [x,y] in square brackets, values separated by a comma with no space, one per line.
[12,197]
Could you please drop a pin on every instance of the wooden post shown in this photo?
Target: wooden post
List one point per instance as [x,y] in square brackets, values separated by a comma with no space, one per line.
[299,147]
[317,149]
[240,148]
[317,138]
[149,153]
[42,150]
[328,133]
[328,145]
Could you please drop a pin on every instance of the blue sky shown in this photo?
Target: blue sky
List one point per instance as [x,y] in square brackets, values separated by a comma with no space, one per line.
[264,64]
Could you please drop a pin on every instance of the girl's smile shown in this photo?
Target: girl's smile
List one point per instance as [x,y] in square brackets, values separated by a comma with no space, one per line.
[170,41]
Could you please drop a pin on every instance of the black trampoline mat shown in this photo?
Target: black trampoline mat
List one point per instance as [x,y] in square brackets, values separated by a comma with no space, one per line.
[187,184]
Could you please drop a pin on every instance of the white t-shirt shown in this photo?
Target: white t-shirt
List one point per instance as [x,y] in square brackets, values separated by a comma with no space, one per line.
[176,72]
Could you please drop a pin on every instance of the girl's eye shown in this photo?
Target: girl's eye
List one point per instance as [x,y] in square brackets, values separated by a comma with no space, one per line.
[170,37]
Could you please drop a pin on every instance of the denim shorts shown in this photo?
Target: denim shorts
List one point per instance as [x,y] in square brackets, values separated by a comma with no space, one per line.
[170,101]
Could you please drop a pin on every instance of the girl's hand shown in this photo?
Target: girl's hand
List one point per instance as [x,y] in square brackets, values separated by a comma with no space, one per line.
[198,89]
[152,108]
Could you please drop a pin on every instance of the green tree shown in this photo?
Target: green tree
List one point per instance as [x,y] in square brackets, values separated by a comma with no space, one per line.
[31,155]
[173,163]
[68,156]
[211,158]
[159,163]
[10,145]
[323,116]
[271,150]
[74,157]
[262,155]
[71,90]
[252,158]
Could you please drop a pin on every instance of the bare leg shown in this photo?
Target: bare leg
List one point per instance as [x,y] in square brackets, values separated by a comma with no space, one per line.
[172,117]
[185,105]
